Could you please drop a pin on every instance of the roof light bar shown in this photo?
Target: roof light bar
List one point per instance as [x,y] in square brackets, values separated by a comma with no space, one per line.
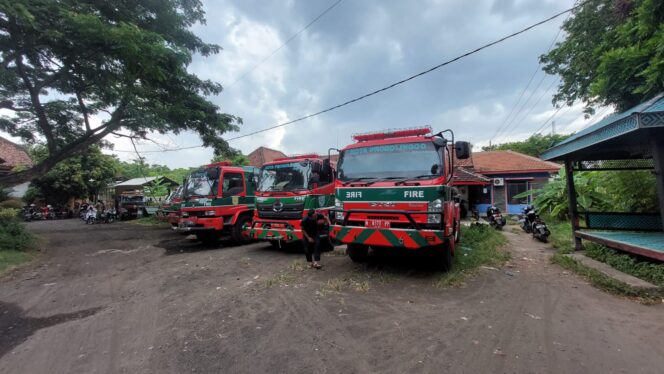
[221,163]
[293,157]
[393,133]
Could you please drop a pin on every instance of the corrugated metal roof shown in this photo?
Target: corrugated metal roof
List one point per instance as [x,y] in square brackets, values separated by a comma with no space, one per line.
[136,182]
[598,132]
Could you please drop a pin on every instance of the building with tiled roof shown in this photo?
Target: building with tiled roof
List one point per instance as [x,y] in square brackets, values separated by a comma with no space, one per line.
[262,155]
[12,155]
[496,177]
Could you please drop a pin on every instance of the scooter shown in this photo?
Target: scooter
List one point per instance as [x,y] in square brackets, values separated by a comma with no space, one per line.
[110,216]
[532,223]
[30,213]
[495,218]
[91,216]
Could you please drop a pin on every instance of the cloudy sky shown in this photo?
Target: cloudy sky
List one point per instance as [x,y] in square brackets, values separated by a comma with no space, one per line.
[360,46]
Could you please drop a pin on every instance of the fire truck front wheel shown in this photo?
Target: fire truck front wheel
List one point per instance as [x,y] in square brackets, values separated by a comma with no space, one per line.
[443,256]
[357,252]
[243,223]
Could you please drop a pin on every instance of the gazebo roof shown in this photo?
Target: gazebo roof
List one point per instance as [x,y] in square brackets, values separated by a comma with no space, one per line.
[623,135]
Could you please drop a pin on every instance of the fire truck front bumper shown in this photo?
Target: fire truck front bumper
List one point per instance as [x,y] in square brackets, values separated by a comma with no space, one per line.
[197,224]
[398,238]
[267,231]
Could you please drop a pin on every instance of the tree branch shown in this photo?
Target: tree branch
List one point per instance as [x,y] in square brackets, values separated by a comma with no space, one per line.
[84,110]
[8,104]
[67,151]
[42,120]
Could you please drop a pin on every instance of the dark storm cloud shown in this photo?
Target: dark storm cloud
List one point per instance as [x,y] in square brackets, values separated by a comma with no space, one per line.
[360,46]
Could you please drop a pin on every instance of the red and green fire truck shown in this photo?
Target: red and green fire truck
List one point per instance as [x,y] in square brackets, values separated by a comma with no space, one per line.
[393,190]
[288,187]
[170,209]
[218,201]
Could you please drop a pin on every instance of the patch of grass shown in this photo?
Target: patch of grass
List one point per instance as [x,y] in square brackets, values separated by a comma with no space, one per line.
[479,245]
[287,276]
[11,258]
[608,284]
[561,235]
[648,271]
[149,221]
[356,281]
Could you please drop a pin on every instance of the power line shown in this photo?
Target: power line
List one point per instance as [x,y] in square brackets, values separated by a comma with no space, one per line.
[246,73]
[359,98]
[532,107]
[516,104]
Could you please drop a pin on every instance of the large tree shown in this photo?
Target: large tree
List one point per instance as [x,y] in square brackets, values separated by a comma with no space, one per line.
[613,54]
[77,177]
[533,146]
[123,62]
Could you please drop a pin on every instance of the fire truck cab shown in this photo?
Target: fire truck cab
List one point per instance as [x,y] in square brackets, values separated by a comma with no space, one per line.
[288,187]
[393,190]
[218,201]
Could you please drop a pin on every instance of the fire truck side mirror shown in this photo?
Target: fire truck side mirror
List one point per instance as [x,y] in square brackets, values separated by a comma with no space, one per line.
[462,150]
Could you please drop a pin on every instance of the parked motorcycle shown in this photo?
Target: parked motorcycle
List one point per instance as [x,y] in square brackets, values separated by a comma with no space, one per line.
[110,215]
[495,218]
[31,213]
[532,223]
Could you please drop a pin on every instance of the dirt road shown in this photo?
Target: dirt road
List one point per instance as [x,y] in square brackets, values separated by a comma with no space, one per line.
[123,298]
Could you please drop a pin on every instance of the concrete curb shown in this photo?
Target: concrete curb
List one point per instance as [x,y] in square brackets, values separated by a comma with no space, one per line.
[611,272]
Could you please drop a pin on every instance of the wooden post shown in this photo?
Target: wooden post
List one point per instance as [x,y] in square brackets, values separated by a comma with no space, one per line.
[571,197]
[658,157]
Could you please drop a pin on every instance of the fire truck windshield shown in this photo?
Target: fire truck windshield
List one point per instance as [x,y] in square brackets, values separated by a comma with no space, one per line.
[284,177]
[390,161]
[198,184]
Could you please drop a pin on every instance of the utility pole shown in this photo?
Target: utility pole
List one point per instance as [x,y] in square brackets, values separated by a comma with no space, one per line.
[553,127]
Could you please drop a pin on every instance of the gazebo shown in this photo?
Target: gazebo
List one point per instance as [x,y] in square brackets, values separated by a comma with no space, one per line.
[632,140]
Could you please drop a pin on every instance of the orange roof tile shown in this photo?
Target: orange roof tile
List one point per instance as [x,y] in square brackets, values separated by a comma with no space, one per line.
[13,155]
[505,162]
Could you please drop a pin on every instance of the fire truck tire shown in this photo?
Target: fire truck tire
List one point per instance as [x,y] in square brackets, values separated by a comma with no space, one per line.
[208,238]
[242,223]
[357,252]
[444,257]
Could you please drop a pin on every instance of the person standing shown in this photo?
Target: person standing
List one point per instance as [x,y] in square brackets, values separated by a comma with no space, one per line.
[312,226]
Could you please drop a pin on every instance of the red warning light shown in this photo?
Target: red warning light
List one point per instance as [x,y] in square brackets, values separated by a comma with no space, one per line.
[398,133]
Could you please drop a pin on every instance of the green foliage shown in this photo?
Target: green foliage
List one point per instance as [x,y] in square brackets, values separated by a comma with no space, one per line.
[533,146]
[612,55]
[138,169]
[651,272]
[156,188]
[615,191]
[13,235]
[237,159]
[479,245]
[123,61]
[11,204]
[10,258]
[606,283]
[78,176]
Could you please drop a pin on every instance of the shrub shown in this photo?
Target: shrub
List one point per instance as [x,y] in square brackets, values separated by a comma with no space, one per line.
[13,235]
[12,203]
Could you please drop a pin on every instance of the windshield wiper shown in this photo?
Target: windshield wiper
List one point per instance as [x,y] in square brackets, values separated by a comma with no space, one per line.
[358,179]
[415,178]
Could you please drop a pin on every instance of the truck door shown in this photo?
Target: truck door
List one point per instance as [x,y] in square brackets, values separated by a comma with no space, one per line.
[232,184]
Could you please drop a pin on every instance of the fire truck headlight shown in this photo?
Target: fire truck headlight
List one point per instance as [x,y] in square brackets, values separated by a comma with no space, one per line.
[339,206]
[210,213]
[435,206]
[185,214]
